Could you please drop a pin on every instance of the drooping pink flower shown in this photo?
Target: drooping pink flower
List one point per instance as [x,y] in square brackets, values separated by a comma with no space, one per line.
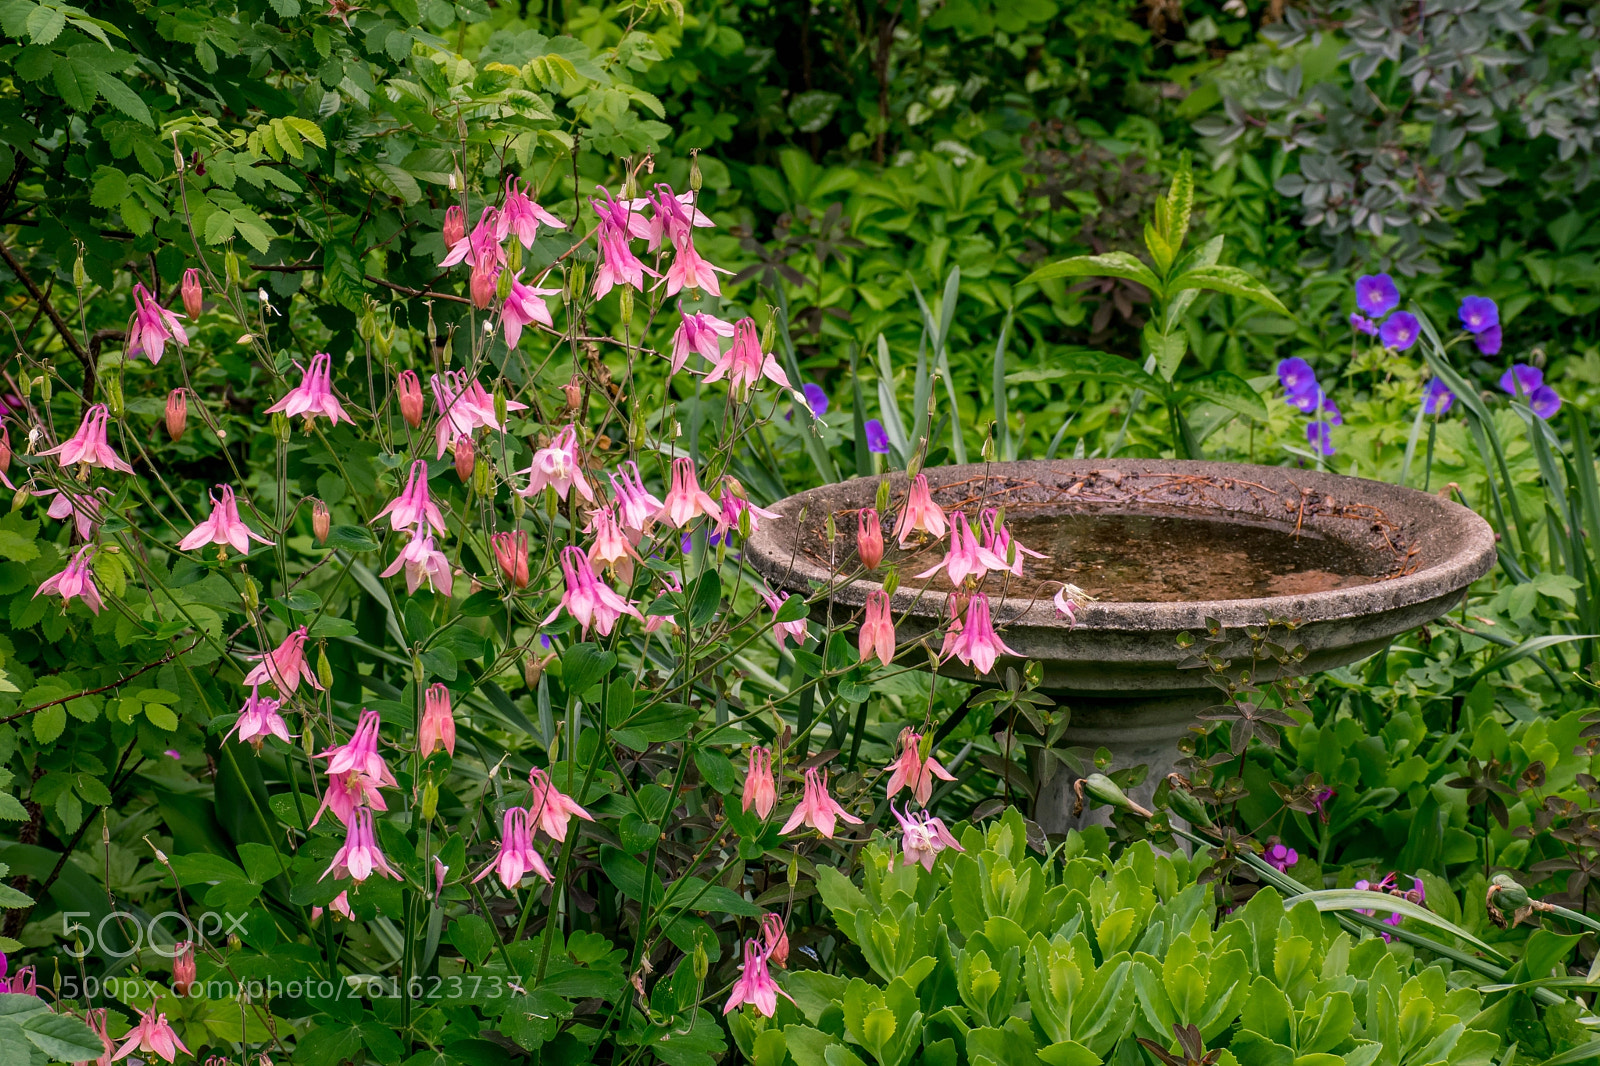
[558,466]
[691,271]
[588,599]
[869,537]
[454,229]
[755,985]
[511,552]
[193,294]
[177,413]
[817,808]
[966,557]
[482,247]
[673,215]
[914,772]
[781,631]
[686,499]
[95,1019]
[611,545]
[998,540]
[259,719]
[285,666]
[183,967]
[414,507]
[956,605]
[1067,600]
[920,513]
[551,809]
[153,1035]
[618,264]
[521,215]
[223,527]
[75,582]
[517,856]
[345,793]
[438,728]
[360,858]
[89,446]
[408,390]
[422,563]
[636,505]
[760,788]
[524,306]
[777,940]
[923,837]
[82,508]
[340,906]
[744,363]
[698,332]
[482,284]
[978,644]
[877,629]
[734,503]
[314,395]
[360,754]
[622,216]
[153,326]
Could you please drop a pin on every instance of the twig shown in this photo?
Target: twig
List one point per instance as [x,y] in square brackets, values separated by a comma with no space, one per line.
[94,691]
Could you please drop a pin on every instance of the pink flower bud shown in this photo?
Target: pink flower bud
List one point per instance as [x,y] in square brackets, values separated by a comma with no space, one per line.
[484,279]
[183,970]
[869,538]
[511,552]
[5,450]
[455,226]
[574,393]
[321,521]
[192,292]
[177,413]
[466,454]
[409,389]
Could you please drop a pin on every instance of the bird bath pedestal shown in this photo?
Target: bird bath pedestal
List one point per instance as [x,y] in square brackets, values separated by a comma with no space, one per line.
[1163,545]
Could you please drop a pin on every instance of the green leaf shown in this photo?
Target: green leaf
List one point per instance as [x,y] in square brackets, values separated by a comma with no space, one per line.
[161,717]
[1093,366]
[1351,899]
[1168,348]
[75,81]
[48,724]
[124,99]
[705,598]
[1230,280]
[287,9]
[110,187]
[473,937]
[1230,391]
[16,547]
[352,539]
[1110,265]
[62,1037]
[583,666]
[45,23]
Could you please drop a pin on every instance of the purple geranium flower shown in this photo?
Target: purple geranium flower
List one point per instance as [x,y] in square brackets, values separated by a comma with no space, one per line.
[1376,294]
[1314,401]
[1362,324]
[1399,331]
[1523,378]
[1488,341]
[1319,435]
[877,437]
[1297,377]
[816,399]
[1478,313]
[1544,401]
[1437,398]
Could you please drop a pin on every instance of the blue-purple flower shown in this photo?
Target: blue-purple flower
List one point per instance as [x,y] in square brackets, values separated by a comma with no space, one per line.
[1297,377]
[877,437]
[1320,436]
[1399,331]
[1529,380]
[1488,341]
[1362,324]
[1437,397]
[1544,401]
[816,399]
[1314,401]
[1376,294]
[1478,313]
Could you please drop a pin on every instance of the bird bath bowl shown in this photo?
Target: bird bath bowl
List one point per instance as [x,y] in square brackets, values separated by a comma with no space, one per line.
[1163,545]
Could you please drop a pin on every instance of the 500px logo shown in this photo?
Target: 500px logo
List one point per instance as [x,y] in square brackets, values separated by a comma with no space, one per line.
[142,931]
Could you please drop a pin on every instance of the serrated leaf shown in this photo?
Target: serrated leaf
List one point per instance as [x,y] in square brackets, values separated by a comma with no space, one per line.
[75,81]
[288,139]
[161,717]
[110,188]
[10,897]
[62,1037]
[1230,280]
[124,99]
[307,129]
[45,23]
[48,724]
[287,9]
[16,547]
[219,227]
[399,183]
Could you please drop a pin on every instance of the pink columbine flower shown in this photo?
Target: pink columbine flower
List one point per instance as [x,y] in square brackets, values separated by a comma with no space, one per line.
[611,545]
[698,333]
[744,363]
[347,792]
[957,606]
[89,445]
[153,1035]
[153,326]
[193,294]
[438,728]
[75,582]
[877,629]
[621,216]
[636,505]
[423,563]
[517,857]
[551,809]
[559,466]
[463,405]
[686,499]
[777,940]
[258,720]
[224,527]
[314,395]
[82,508]
[340,906]
[977,645]
[734,504]
[360,858]
[998,540]
[914,772]
[523,307]
[522,216]
[923,837]
[760,788]
[285,666]
[755,985]
[795,630]
[359,754]
[1068,599]
[817,808]
[511,552]
[408,392]
[482,247]
[618,264]
[95,1019]
[183,967]
[587,598]
[690,271]
[920,513]
[869,537]
[454,229]
[414,508]
[672,215]
[966,557]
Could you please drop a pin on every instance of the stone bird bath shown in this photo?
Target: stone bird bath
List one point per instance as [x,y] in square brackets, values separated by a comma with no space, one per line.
[1162,545]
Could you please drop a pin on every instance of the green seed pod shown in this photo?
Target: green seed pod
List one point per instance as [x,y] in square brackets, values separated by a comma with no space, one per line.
[575,280]
[883,495]
[695,180]
[514,257]
[891,580]
[281,429]
[113,393]
[324,668]
[80,276]
[430,800]
[418,674]
[230,267]
[769,332]
[252,597]
[483,477]
[702,962]
[22,496]
[794,868]
[500,406]
[625,305]
[47,387]
[829,526]
[502,284]
[914,467]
